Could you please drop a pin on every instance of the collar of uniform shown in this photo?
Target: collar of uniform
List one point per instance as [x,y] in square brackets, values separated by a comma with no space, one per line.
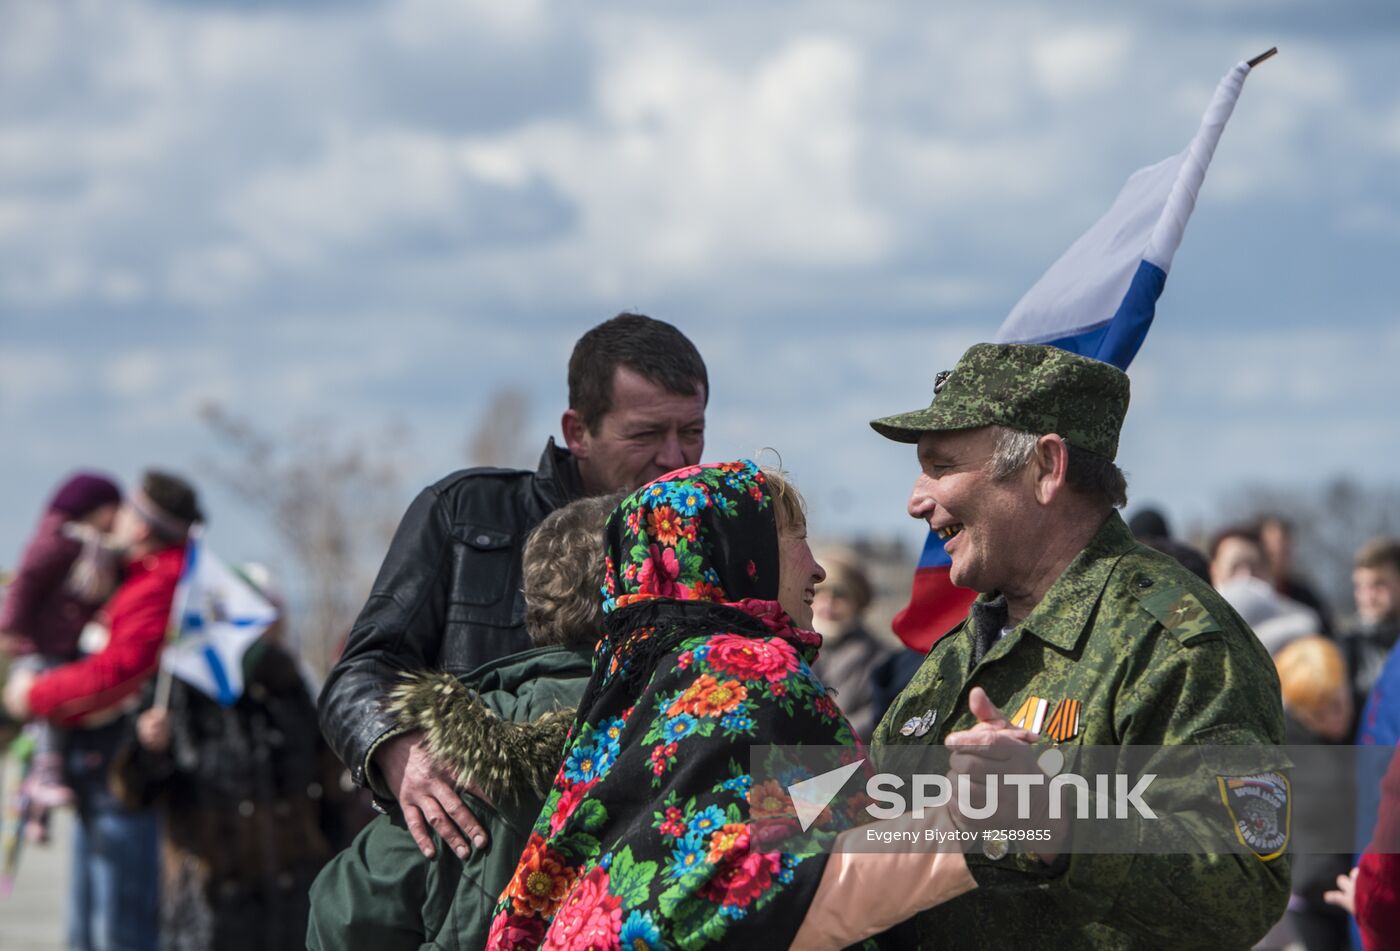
[556,477]
[1062,615]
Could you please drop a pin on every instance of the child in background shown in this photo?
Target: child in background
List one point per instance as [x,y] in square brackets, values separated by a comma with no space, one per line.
[66,573]
[850,653]
[500,727]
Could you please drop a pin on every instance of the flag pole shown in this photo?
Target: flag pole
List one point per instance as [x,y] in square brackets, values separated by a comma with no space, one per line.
[177,614]
[162,698]
[1267,54]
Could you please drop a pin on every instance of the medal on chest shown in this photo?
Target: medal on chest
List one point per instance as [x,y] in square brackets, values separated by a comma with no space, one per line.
[1061,725]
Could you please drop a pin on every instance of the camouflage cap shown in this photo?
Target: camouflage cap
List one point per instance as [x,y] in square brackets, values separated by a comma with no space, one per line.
[1031,387]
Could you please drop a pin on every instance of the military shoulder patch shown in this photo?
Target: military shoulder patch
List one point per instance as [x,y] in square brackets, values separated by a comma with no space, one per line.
[1261,809]
[1179,611]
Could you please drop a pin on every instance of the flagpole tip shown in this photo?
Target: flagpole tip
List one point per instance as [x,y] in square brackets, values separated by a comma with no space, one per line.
[1267,54]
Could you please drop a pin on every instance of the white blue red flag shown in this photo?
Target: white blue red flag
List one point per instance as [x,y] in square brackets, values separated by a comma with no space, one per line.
[1097,300]
[216,617]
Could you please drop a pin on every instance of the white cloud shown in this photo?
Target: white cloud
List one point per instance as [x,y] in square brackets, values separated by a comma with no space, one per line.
[29,377]
[363,189]
[1295,110]
[952,173]
[212,275]
[1070,63]
[56,279]
[431,25]
[1333,369]
[135,374]
[692,165]
[495,163]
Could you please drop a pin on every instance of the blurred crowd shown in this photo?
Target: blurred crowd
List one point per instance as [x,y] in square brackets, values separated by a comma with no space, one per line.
[1329,661]
[199,823]
[235,809]
[523,619]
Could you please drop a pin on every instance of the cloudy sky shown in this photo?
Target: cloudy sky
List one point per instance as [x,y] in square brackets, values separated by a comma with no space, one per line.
[365,212]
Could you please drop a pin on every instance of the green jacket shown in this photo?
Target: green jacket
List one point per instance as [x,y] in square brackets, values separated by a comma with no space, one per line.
[381,892]
[1155,657]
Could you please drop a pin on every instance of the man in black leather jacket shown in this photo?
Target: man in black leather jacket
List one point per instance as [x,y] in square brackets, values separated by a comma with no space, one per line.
[448,595]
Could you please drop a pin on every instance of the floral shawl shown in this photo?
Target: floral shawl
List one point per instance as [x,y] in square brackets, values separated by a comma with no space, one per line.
[647,839]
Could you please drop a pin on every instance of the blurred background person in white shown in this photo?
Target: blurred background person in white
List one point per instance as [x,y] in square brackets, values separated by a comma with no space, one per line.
[1239,570]
[849,652]
[1276,535]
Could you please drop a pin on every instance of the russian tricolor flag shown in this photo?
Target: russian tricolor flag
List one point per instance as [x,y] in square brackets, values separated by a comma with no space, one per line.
[1098,300]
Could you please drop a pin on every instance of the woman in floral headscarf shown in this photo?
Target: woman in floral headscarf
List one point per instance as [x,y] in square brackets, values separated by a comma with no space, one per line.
[653,835]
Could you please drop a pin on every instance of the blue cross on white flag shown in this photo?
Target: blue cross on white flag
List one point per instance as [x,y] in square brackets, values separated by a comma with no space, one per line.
[1099,298]
[217,616]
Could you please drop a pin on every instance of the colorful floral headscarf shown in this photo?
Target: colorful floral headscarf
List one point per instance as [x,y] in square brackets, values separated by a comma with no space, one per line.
[648,838]
[691,552]
[705,533]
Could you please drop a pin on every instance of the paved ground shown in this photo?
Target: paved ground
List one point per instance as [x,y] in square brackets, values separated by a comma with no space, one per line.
[31,918]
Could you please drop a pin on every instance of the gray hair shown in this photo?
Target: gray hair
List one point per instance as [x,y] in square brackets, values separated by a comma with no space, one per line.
[1088,473]
[1011,453]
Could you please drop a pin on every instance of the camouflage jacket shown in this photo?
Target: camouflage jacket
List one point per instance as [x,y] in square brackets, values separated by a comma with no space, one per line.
[1154,657]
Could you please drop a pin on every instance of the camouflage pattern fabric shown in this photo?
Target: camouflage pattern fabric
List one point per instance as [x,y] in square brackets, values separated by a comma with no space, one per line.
[1029,387]
[1154,657]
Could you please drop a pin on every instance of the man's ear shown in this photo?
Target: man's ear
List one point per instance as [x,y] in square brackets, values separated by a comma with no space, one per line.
[1051,467]
[576,435]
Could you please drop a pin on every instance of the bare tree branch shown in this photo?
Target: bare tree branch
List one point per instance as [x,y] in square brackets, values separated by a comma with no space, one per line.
[499,437]
[332,503]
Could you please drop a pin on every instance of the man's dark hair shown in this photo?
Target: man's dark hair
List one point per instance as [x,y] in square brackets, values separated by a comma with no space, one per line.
[1247,532]
[176,501]
[652,349]
[1149,523]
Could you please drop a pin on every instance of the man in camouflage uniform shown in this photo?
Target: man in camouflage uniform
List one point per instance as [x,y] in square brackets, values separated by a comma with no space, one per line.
[1086,638]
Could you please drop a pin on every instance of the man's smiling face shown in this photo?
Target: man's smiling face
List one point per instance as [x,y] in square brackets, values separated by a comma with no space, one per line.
[980,519]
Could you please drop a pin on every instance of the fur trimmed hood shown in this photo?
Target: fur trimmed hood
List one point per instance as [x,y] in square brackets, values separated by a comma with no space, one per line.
[501,758]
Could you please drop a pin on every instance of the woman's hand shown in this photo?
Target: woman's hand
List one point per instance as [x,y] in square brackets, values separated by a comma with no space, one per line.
[17,693]
[153,729]
[1345,895]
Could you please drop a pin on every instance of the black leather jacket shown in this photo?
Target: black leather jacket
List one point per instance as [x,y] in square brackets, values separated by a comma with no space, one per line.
[448,596]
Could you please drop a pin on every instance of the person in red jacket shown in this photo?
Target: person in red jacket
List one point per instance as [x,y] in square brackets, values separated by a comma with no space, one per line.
[1372,891]
[114,883]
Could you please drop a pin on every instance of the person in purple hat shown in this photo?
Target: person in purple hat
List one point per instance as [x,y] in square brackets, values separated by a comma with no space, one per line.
[67,571]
